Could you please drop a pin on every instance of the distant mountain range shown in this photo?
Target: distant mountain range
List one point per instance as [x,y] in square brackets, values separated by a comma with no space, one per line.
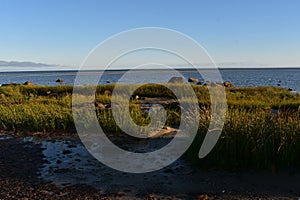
[23,64]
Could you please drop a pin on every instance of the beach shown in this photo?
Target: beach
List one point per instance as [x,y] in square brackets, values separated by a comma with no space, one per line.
[22,163]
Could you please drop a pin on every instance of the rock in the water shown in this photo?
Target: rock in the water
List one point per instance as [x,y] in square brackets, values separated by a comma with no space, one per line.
[193,80]
[59,81]
[28,83]
[227,84]
[176,79]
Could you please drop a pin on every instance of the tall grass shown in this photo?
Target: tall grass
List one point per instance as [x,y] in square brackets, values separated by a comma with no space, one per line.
[252,138]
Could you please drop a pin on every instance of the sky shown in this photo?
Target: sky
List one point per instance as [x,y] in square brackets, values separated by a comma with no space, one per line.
[249,33]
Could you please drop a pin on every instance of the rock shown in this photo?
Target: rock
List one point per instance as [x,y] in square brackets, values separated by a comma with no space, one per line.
[99,105]
[176,79]
[59,81]
[134,97]
[203,197]
[28,83]
[275,112]
[193,80]
[107,92]
[227,84]
[107,105]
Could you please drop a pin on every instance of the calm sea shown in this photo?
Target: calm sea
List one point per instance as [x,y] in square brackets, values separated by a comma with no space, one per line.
[287,78]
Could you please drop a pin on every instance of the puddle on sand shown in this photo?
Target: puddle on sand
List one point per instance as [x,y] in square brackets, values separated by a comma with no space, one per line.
[67,162]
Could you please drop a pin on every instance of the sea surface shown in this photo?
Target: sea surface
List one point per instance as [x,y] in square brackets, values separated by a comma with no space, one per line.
[286,78]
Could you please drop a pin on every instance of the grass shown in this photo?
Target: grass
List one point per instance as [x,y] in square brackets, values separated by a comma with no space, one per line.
[252,138]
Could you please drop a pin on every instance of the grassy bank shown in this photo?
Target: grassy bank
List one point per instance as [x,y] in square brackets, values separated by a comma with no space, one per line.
[262,128]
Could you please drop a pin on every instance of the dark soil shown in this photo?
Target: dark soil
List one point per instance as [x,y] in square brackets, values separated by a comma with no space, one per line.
[19,179]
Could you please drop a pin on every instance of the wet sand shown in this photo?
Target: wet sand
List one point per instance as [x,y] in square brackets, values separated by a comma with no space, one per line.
[36,168]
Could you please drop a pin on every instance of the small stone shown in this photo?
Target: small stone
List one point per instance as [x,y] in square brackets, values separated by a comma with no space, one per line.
[203,197]
[59,81]
[193,80]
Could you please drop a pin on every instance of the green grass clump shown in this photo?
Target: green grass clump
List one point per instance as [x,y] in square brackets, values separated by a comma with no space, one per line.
[253,139]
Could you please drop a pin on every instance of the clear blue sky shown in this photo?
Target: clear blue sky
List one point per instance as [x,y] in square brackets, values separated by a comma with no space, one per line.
[64,31]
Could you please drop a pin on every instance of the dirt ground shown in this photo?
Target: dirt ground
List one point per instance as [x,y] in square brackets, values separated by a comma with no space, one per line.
[29,171]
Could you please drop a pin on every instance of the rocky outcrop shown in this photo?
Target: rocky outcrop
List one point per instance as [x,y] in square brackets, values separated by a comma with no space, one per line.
[176,79]
[28,83]
[228,84]
[193,80]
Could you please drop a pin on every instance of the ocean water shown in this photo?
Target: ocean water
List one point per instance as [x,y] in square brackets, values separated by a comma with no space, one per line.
[287,78]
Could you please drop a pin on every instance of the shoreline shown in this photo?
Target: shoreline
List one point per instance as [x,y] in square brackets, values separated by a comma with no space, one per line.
[206,184]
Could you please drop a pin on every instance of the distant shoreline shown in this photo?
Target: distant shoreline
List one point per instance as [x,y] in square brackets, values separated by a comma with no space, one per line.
[178,69]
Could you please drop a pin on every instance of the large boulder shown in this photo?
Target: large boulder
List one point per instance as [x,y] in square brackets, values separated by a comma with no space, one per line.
[176,79]
[193,80]
[28,83]
[227,84]
[59,81]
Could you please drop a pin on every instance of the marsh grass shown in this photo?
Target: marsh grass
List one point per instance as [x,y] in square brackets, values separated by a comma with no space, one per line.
[253,137]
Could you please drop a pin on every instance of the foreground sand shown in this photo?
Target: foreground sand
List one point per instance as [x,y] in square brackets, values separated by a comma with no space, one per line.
[28,171]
